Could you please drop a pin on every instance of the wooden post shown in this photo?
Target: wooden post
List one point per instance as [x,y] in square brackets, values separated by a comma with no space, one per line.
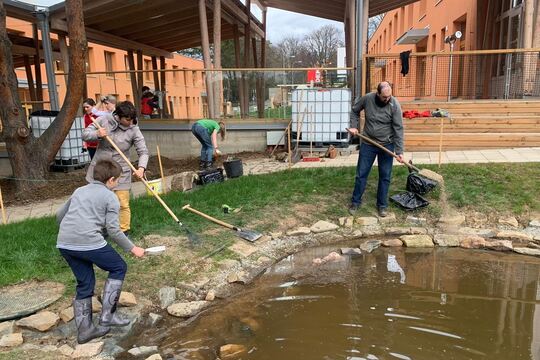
[289,155]
[352,42]
[261,88]
[163,87]
[247,37]
[37,68]
[163,182]
[4,218]
[30,78]
[155,73]
[135,89]
[65,56]
[240,80]
[206,57]
[140,74]
[441,141]
[217,59]
[528,60]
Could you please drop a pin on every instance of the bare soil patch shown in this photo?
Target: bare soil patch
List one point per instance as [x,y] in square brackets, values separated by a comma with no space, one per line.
[59,184]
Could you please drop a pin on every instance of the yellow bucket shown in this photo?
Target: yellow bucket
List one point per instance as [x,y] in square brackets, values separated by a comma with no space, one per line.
[156,185]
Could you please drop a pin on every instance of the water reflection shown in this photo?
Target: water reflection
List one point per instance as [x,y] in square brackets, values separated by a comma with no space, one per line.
[390,304]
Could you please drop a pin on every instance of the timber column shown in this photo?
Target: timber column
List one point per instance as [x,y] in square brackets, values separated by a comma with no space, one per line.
[43,21]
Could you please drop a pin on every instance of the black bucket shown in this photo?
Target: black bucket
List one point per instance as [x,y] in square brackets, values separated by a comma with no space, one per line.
[233,168]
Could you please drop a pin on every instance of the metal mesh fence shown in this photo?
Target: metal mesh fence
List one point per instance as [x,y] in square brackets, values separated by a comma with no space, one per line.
[512,75]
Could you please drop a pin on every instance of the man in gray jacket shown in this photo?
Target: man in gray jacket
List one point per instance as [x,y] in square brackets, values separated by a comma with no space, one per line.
[121,127]
[383,124]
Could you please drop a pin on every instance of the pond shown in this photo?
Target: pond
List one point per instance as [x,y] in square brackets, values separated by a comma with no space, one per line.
[394,303]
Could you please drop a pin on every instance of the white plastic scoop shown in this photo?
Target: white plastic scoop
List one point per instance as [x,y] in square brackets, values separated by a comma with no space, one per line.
[156,250]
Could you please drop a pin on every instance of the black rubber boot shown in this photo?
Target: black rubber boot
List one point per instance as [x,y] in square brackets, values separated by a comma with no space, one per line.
[86,331]
[202,165]
[209,165]
[111,294]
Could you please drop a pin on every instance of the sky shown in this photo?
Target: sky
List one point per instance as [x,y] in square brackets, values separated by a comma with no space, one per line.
[280,24]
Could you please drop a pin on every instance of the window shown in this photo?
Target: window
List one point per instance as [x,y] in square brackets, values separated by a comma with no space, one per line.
[443,36]
[109,61]
[126,64]
[175,73]
[410,21]
[390,40]
[89,56]
[147,70]
[402,20]
[59,66]
[434,42]
[423,6]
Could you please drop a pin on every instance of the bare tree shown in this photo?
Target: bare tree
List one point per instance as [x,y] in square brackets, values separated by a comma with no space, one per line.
[323,43]
[30,157]
[373,24]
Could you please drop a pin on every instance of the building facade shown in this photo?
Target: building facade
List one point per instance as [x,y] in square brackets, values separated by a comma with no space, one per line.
[423,26]
[185,91]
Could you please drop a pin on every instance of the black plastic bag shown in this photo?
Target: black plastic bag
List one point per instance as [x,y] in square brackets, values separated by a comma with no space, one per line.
[409,201]
[420,185]
[210,176]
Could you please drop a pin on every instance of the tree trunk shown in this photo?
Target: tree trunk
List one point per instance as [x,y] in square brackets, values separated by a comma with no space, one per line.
[30,157]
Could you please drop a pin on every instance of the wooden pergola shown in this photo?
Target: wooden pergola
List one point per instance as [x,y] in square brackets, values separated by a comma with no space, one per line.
[158,27]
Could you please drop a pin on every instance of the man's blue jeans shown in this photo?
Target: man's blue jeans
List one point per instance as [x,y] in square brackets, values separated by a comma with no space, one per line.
[366,158]
[207,150]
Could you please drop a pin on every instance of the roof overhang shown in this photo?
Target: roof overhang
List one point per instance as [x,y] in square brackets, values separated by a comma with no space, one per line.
[413,36]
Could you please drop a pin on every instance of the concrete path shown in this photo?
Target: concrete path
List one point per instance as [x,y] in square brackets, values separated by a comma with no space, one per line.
[265,166]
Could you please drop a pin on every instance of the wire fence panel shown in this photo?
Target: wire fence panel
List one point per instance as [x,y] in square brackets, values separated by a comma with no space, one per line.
[513,75]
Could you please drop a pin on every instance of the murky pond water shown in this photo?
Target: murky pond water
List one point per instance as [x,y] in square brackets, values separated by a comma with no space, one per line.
[390,304]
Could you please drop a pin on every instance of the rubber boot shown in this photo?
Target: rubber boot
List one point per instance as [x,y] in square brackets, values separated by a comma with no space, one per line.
[111,294]
[86,331]
[202,165]
[209,165]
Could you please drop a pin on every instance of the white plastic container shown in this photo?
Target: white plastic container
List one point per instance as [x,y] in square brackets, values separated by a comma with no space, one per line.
[69,155]
[325,114]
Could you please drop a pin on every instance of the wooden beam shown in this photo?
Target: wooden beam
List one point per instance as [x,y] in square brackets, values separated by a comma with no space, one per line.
[29,78]
[118,11]
[155,73]
[60,26]
[206,57]
[163,66]
[140,74]
[261,89]
[37,67]
[174,20]
[135,88]
[247,40]
[218,84]
[238,64]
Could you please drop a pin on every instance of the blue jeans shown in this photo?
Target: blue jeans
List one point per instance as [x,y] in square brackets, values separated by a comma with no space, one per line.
[82,265]
[367,156]
[201,133]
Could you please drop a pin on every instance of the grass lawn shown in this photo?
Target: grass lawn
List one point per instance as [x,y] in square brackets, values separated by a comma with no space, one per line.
[269,203]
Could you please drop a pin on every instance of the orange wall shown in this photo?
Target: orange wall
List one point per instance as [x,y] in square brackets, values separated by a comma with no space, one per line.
[443,17]
[184,88]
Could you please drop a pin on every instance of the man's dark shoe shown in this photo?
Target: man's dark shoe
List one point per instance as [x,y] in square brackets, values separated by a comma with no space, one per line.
[353,209]
[383,212]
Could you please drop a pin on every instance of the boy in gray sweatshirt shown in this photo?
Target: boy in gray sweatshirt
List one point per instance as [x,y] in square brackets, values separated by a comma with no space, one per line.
[85,219]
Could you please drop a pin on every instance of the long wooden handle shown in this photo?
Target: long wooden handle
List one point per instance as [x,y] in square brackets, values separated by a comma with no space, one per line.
[208,217]
[156,195]
[372,142]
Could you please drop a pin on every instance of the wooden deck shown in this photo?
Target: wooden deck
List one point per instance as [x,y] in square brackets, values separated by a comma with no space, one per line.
[474,125]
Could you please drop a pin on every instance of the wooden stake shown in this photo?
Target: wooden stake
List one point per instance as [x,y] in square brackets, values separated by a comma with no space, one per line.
[440,141]
[289,144]
[161,171]
[4,218]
